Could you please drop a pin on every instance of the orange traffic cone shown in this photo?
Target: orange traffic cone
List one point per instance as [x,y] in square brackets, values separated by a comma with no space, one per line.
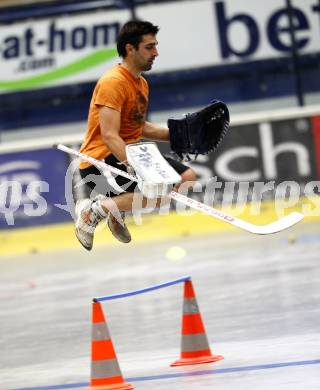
[194,344]
[105,369]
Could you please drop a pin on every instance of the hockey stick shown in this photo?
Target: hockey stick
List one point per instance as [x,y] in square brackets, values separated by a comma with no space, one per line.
[274,227]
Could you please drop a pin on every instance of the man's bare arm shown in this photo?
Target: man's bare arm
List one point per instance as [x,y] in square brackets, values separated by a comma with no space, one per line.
[110,129]
[155,132]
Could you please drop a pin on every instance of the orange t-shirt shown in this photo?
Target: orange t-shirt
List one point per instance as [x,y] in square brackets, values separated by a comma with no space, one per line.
[120,90]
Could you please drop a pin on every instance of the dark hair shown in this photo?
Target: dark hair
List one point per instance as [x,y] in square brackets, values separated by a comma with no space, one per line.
[132,33]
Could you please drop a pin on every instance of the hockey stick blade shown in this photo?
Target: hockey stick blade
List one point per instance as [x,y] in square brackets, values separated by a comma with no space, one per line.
[274,227]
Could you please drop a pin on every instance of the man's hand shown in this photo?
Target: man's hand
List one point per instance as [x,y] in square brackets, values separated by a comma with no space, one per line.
[130,170]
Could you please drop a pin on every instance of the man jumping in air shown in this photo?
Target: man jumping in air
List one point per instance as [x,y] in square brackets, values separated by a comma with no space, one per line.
[117,117]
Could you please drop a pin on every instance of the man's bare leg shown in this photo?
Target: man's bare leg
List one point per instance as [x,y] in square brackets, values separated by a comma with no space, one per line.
[91,212]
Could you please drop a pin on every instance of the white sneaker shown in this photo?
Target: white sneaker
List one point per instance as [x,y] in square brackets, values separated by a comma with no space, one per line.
[120,231]
[87,220]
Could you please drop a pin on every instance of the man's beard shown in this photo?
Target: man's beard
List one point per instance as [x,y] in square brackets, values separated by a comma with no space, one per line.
[146,67]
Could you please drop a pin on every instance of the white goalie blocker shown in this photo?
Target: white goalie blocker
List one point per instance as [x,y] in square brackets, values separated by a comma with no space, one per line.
[156,177]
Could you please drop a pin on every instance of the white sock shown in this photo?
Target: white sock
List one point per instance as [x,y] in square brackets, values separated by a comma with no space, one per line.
[97,208]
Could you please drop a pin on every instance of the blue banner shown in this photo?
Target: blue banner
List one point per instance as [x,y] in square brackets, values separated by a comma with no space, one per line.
[31,184]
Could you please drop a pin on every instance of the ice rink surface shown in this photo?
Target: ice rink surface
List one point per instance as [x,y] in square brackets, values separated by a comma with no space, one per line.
[259,298]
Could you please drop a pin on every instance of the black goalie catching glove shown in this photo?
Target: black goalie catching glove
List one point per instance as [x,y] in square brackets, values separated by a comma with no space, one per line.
[200,132]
